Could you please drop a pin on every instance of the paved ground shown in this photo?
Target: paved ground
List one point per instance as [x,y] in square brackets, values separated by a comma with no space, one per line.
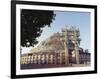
[38,66]
[80,65]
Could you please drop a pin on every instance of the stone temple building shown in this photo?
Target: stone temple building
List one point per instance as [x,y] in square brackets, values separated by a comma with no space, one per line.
[60,49]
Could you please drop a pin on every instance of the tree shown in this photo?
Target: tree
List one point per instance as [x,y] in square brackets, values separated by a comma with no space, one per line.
[32,22]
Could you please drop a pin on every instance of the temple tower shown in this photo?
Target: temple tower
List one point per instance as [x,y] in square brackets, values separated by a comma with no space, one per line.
[71,44]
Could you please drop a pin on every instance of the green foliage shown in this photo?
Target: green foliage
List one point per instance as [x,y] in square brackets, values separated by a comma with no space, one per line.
[31,23]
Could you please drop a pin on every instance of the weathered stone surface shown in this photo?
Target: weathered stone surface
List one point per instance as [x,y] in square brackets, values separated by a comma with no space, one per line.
[53,43]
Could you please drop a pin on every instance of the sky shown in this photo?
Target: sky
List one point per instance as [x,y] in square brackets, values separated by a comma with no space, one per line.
[68,18]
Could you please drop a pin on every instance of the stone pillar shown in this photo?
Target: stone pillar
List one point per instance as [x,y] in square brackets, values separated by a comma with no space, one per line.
[66,48]
[60,58]
[76,48]
[35,59]
[26,59]
[77,54]
[31,58]
[43,59]
[51,58]
[46,58]
[55,58]
[21,60]
[39,60]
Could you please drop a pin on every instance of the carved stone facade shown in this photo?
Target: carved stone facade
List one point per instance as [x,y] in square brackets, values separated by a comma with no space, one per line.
[61,48]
